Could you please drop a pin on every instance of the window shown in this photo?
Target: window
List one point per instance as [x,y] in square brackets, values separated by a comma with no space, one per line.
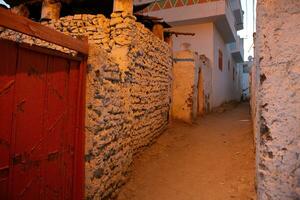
[220,60]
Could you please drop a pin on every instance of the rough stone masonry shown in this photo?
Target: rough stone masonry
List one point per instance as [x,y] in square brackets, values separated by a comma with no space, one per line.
[277,121]
[133,100]
[128,93]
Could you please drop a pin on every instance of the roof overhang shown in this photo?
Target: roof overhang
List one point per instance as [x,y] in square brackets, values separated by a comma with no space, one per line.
[238,13]
[217,12]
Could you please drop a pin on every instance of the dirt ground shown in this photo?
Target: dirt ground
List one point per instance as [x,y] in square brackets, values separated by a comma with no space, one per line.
[212,159]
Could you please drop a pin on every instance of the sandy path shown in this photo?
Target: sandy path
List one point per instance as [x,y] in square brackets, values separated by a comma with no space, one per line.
[210,160]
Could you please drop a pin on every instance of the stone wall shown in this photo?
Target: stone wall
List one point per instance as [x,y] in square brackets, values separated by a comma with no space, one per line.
[128,93]
[277,61]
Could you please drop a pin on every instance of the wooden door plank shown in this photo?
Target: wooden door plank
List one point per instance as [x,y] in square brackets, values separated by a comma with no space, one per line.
[8,68]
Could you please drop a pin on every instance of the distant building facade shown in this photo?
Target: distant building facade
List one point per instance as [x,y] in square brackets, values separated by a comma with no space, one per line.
[215,24]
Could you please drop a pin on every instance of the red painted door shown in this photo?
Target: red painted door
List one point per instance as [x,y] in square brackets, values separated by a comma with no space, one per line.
[7,86]
[41,125]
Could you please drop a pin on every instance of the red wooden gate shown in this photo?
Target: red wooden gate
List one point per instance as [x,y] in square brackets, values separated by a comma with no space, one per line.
[41,138]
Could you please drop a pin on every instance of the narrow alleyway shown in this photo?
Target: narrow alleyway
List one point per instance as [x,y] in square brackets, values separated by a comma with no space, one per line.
[210,160]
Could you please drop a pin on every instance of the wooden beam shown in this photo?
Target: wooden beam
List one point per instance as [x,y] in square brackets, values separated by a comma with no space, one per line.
[158,30]
[123,6]
[28,27]
[148,17]
[179,33]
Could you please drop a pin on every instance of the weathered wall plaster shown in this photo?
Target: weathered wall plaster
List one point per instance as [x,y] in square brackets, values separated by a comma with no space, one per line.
[277,116]
[185,86]
[206,72]
[200,92]
[128,93]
